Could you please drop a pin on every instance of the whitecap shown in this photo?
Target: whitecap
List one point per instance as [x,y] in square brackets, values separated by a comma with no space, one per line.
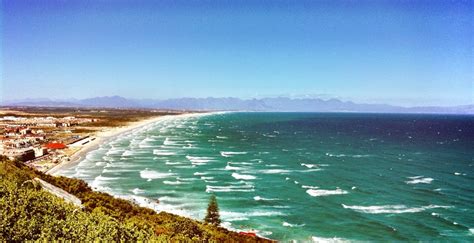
[228,215]
[419,179]
[138,191]
[275,171]
[243,177]
[151,174]
[173,182]
[199,160]
[286,224]
[392,209]
[127,153]
[229,167]
[229,154]
[173,163]
[163,152]
[199,173]
[168,142]
[242,188]
[329,240]
[309,187]
[259,198]
[321,192]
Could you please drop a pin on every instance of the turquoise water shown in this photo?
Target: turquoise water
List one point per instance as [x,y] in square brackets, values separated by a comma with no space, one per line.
[303,176]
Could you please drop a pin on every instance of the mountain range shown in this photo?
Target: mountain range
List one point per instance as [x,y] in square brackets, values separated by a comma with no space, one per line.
[281,104]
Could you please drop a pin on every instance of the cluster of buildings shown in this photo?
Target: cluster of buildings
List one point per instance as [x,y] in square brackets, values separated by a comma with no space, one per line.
[30,138]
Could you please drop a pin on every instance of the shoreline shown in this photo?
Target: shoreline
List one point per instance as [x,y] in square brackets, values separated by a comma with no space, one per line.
[106,135]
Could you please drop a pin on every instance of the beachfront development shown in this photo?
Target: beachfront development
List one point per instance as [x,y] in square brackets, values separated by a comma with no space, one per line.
[43,138]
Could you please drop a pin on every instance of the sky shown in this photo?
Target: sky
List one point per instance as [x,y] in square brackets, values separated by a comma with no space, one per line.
[397,52]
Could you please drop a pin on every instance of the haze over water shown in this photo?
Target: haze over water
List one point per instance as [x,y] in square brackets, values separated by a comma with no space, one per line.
[304,176]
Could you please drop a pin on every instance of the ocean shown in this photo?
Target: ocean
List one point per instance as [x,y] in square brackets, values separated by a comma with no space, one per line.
[301,176]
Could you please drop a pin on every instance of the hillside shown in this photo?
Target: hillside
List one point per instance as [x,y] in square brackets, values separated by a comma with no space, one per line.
[30,213]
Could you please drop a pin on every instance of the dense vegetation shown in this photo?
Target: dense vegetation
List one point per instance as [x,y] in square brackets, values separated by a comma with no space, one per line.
[28,212]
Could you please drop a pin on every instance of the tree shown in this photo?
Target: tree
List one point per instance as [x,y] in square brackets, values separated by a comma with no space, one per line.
[212,216]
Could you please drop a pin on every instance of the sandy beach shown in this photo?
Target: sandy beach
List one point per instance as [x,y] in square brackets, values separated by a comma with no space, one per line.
[106,135]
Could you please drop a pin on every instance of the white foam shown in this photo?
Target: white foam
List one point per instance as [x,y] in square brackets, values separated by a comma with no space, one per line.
[259,198]
[229,167]
[275,171]
[151,174]
[392,209]
[243,177]
[127,153]
[309,165]
[230,154]
[227,215]
[419,179]
[328,240]
[241,163]
[309,187]
[168,142]
[138,191]
[286,224]
[163,152]
[321,192]
[199,160]
[457,173]
[242,188]
[173,182]
[174,163]
[199,173]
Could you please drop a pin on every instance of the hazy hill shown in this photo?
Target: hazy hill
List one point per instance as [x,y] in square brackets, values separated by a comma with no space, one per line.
[236,104]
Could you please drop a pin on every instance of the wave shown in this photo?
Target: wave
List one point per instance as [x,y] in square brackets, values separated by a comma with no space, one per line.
[173,163]
[241,163]
[286,224]
[230,215]
[199,160]
[309,187]
[128,153]
[229,167]
[200,173]
[347,155]
[168,142]
[243,177]
[174,182]
[230,154]
[259,198]
[392,209]
[275,171]
[163,152]
[329,240]
[103,178]
[137,191]
[158,207]
[243,188]
[321,192]
[151,174]
[419,179]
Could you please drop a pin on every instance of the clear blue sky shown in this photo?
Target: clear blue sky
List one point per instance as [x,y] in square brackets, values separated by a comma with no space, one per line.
[397,52]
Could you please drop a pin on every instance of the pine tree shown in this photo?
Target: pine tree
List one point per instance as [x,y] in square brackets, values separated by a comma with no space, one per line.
[212,216]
